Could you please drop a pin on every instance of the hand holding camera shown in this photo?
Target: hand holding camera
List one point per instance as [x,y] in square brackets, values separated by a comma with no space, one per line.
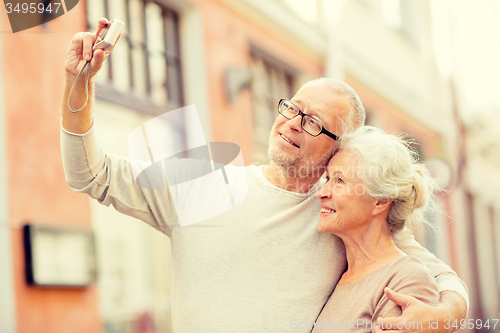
[90,50]
[82,45]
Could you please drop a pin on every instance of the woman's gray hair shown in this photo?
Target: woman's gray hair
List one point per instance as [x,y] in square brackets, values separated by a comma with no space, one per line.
[389,169]
[356,117]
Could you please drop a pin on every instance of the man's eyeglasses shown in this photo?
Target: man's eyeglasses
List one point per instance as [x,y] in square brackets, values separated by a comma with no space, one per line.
[310,124]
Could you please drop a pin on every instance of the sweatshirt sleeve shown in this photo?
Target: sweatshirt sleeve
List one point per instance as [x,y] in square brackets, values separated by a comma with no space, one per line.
[446,278]
[110,179]
[410,277]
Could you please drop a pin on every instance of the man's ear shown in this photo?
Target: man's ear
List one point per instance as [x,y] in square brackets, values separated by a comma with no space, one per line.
[382,205]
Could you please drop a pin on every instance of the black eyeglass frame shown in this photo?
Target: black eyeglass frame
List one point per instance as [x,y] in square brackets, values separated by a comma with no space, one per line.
[323,130]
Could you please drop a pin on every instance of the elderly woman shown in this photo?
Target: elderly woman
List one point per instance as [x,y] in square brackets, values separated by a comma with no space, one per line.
[374,188]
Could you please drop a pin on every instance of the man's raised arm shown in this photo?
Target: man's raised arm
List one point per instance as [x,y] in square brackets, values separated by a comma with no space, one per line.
[88,168]
[79,51]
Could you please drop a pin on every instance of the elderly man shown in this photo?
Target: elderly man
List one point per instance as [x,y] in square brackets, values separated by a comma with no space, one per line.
[268,269]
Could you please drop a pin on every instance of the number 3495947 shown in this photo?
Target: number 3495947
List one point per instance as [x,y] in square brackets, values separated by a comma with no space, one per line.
[32,8]
[471,324]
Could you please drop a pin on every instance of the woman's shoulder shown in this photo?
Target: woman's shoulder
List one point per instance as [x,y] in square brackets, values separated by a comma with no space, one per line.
[410,276]
[407,261]
[410,266]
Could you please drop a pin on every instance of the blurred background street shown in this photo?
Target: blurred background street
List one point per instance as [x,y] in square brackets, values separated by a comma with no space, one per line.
[429,69]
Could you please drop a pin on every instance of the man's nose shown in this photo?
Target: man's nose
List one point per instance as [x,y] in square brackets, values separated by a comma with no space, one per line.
[296,123]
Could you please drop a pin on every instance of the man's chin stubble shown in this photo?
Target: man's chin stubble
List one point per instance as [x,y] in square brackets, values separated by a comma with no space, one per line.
[281,159]
[293,166]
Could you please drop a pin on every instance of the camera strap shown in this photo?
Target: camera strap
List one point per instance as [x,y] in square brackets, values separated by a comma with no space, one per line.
[86,85]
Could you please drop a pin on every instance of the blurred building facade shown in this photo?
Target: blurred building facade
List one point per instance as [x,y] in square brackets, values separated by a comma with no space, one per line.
[32,185]
[234,60]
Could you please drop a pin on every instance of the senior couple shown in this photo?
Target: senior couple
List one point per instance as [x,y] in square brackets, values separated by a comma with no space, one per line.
[312,253]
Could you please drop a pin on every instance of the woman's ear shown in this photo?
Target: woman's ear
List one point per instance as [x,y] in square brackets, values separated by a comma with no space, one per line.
[382,205]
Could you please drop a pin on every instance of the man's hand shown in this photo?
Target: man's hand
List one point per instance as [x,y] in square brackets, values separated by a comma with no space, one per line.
[80,50]
[451,307]
[78,53]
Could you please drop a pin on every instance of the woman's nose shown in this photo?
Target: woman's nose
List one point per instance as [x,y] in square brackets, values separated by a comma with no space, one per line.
[324,193]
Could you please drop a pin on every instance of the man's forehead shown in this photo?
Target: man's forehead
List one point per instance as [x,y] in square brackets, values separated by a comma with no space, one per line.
[320,108]
[321,98]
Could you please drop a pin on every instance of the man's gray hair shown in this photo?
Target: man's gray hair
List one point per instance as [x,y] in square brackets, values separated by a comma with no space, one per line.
[356,117]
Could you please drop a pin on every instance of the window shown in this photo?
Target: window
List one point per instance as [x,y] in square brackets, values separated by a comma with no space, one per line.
[272,80]
[146,62]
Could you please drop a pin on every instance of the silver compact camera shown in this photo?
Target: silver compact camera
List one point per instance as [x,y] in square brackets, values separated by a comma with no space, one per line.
[105,41]
[108,37]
